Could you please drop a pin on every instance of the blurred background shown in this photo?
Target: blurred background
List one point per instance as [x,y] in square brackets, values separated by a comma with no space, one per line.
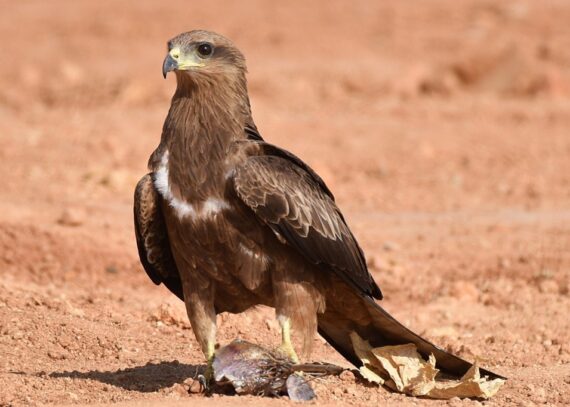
[442,127]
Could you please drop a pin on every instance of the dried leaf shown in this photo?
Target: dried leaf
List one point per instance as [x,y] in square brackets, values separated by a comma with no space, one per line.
[409,372]
[362,349]
[404,370]
[371,375]
[470,385]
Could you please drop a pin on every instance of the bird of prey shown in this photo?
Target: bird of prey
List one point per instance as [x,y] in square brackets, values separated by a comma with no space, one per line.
[227,221]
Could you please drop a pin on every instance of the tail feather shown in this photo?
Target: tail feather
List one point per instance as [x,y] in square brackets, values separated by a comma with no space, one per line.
[381,329]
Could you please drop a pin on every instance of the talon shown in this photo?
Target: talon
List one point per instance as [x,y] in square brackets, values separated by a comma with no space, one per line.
[209,373]
[208,377]
[204,383]
[287,350]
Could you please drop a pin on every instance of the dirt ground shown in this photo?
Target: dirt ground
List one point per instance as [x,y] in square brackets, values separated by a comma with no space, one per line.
[443,128]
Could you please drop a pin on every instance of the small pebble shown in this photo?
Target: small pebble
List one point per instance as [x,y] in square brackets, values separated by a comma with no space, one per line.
[179,390]
[194,386]
[548,287]
[57,355]
[72,217]
[347,376]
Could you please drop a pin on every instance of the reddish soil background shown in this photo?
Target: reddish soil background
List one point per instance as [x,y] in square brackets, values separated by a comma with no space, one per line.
[443,127]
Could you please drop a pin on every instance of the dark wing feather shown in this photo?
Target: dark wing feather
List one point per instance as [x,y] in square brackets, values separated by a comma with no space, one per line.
[291,199]
[152,237]
[252,133]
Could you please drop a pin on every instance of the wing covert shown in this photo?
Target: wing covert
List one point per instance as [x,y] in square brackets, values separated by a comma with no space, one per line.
[293,201]
[152,237]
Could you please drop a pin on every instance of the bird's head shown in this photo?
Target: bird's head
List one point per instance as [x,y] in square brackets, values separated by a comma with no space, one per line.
[199,53]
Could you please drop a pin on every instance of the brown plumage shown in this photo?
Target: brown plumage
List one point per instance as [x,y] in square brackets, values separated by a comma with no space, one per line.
[227,221]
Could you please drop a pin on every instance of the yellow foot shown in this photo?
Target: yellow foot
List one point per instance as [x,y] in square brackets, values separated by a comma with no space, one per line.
[209,373]
[286,350]
[207,379]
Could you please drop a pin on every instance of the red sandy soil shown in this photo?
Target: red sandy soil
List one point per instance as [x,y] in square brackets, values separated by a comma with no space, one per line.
[443,127]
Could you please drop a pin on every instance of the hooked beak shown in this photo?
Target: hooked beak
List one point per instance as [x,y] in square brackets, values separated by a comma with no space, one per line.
[169,64]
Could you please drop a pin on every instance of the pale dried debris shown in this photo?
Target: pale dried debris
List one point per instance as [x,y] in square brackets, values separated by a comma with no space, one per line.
[402,369]
[167,314]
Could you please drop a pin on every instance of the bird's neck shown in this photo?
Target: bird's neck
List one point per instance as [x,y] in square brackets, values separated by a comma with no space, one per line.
[205,119]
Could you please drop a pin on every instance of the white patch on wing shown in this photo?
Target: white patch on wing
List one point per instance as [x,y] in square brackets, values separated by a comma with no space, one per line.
[209,208]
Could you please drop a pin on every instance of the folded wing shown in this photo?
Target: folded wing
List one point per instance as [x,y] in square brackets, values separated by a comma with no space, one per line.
[293,201]
[152,237]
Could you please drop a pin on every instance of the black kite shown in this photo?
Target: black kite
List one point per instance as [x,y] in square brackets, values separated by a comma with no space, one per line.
[228,221]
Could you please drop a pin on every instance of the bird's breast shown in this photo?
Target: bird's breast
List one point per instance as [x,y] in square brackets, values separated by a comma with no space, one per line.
[204,209]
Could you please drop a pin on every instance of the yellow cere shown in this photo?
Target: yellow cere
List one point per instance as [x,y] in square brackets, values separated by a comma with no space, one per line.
[185,61]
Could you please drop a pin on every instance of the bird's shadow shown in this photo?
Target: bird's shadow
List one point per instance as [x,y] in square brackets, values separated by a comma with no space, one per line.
[146,379]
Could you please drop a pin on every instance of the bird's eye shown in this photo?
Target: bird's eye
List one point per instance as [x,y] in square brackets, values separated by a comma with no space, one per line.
[205,50]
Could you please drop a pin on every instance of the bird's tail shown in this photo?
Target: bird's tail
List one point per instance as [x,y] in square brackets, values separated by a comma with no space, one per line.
[372,323]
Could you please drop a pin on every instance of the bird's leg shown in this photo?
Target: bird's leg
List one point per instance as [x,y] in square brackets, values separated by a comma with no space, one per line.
[206,336]
[202,316]
[286,348]
[210,354]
